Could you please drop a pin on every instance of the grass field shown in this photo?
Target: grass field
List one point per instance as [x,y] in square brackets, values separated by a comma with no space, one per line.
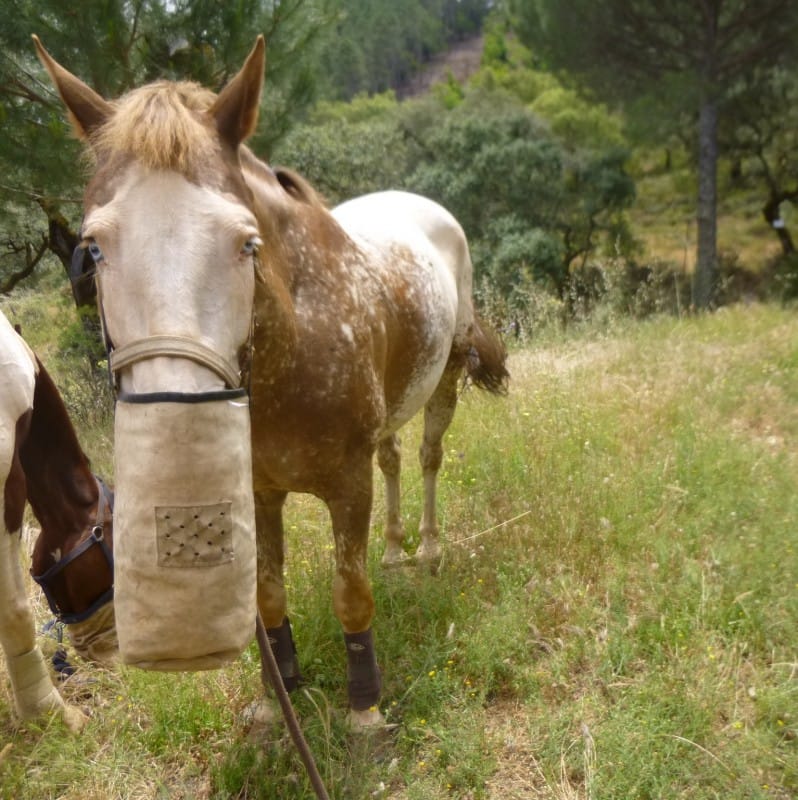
[616,615]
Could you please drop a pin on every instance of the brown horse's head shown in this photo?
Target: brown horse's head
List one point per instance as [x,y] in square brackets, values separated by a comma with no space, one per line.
[77,579]
[72,558]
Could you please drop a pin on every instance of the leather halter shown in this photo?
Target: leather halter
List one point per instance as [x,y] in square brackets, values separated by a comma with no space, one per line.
[160,345]
[180,346]
[96,537]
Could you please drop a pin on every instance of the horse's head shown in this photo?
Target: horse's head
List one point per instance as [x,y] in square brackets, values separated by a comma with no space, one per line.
[77,578]
[170,225]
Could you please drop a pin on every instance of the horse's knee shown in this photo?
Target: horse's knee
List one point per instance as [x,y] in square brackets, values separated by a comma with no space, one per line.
[353,601]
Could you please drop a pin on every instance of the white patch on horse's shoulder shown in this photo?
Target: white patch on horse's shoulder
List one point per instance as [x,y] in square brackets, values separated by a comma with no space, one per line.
[56,554]
[346,329]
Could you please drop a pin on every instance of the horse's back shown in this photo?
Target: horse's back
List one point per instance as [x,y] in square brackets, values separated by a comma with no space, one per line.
[385,219]
[17,378]
[425,268]
[393,215]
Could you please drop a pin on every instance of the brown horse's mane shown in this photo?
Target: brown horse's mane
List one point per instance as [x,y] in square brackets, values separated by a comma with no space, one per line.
[298,187]
[162,125]
[59,478]
[292,182]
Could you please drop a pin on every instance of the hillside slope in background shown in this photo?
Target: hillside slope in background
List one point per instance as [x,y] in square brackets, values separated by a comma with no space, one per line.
[460,61]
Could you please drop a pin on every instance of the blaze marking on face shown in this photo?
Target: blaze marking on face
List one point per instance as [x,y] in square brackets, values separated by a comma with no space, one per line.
[179,256]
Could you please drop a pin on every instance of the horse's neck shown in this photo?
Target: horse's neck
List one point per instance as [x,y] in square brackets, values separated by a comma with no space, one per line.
[60,485]
[298,234]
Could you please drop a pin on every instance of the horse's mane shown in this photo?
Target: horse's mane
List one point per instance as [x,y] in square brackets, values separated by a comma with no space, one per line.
[292,182]
[163,126]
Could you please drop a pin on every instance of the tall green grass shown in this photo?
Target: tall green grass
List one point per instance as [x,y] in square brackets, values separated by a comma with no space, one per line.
[616,615]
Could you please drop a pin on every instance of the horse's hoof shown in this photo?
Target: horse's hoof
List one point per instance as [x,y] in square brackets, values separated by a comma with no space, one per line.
[261,719]
[366,721]
[394,558]
[74,718]
[429,556]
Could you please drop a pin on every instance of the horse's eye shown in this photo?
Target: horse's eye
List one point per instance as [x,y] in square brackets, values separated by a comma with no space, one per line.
[95,252]
[250,247]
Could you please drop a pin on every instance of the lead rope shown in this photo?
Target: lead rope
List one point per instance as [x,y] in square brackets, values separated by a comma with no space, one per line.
[271,672]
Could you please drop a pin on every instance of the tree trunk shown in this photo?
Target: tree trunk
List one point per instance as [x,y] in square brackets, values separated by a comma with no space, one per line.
[770,211]
[706,260]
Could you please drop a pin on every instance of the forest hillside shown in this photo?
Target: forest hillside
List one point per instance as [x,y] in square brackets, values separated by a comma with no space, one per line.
[571,186]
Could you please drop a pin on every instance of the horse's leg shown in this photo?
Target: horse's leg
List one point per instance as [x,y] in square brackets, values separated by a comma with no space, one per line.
[438,413]
[31,685]
[389,458]
[271,588]
[353,603]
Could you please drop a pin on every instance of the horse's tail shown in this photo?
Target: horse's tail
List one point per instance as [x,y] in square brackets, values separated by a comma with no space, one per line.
[485,363]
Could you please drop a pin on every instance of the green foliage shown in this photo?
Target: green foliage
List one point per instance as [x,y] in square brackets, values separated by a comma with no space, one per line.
[343,159]
[521,82]
[448,93]
[786,277]
[378,45]
[531,201]
[575,121]
[701,60]
[537,172]
[361,108]
[519,256]
[114,46]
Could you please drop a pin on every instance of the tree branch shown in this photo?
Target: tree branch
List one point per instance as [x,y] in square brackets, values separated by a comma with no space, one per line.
[32,258]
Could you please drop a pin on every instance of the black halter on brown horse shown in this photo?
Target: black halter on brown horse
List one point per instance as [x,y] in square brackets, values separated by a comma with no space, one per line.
[41,462]
[215,272]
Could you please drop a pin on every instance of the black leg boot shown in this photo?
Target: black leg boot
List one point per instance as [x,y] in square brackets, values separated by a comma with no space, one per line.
[362,671]
[282,644]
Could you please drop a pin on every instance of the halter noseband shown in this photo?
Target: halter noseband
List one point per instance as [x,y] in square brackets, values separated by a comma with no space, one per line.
[95,537]
[161,345]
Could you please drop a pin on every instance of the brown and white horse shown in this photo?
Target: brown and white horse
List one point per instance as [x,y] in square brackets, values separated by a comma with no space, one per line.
[215,270]
[41,462]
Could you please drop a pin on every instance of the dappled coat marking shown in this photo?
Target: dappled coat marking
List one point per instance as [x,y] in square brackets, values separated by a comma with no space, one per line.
[344,324]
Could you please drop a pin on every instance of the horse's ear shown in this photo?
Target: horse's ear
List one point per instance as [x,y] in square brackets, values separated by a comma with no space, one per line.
[87,110]
[236,108]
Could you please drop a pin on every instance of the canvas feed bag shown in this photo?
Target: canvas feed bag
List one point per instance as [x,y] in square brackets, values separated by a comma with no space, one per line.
[184,533]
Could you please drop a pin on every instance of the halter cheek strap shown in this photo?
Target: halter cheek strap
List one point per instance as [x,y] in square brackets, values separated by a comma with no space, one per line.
[95,537]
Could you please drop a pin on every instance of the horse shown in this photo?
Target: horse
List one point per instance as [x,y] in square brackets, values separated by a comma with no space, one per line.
[42,463]
[216,271]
